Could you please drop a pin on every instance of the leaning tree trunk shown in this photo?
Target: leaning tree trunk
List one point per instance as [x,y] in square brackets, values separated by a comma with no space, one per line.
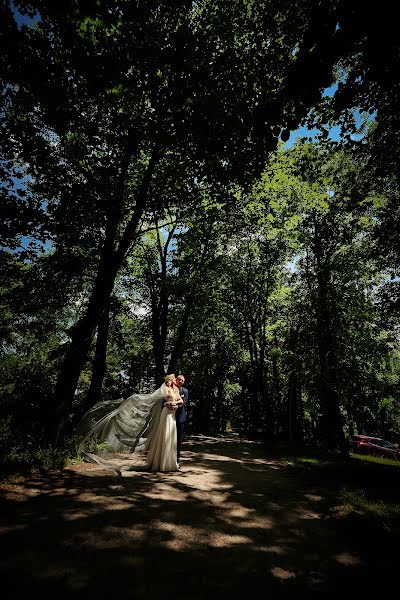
[81,340]
[110,262]
[100,360]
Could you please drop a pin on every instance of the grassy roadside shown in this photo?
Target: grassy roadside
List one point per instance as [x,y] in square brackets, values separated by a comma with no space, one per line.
[365,486]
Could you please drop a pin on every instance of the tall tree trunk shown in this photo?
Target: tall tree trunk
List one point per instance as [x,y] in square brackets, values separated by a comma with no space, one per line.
[291,406]
[221,423]
[332,427]
[160,305]
[110,262]
[81,340]
[280,420]
[201,410]
[158,341]
[100,359]
[179,344]
[295,412]
[160,310]
[178,347]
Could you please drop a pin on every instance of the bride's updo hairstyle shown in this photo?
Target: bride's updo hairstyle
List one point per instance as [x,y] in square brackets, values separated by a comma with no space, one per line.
[169,377]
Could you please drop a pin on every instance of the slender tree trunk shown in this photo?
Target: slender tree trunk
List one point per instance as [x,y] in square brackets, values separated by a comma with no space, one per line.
[202,394]
[178,347]
[160,310]
[179,344]
[160,305]
[332,428]
[291,406]
[295,412]
[100,360]
[280,417]
[110,262]
[158,343]
[81,340]
[221,423]
[294,403]
[255,400]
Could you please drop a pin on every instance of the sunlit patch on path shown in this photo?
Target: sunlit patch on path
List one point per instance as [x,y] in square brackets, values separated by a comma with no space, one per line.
[233,520]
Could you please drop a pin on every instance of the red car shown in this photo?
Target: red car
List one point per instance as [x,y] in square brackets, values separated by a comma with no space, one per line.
[375,446]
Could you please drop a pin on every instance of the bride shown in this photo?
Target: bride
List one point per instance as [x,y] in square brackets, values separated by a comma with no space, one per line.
[143,423]
[162,446]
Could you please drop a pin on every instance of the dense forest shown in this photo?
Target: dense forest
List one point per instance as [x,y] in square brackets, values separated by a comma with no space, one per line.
[158,215]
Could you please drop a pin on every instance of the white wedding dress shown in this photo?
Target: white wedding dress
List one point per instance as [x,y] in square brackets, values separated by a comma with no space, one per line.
[162,451]
[139,424]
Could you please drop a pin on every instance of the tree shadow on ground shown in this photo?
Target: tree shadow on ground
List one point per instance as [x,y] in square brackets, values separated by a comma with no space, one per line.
[234,521]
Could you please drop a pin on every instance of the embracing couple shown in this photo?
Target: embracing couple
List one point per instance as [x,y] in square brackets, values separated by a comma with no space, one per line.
[150,425]
[164,447]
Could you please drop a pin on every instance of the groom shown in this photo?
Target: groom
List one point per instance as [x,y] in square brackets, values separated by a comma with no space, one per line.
[181,413]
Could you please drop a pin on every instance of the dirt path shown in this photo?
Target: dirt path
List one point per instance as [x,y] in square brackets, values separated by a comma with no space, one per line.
[232,522]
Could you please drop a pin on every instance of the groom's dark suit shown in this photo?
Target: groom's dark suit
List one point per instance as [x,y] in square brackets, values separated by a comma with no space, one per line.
[181,419]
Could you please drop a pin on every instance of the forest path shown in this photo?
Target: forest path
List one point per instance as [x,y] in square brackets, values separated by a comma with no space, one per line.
[234,522]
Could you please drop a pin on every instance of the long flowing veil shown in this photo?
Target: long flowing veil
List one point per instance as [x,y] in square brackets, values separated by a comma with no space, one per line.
[123,425]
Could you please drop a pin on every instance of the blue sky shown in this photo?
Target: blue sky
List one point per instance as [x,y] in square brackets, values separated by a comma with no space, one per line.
[303,132]
[22,19]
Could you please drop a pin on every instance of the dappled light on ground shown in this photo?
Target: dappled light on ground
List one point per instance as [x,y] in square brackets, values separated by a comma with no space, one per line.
[232,521]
